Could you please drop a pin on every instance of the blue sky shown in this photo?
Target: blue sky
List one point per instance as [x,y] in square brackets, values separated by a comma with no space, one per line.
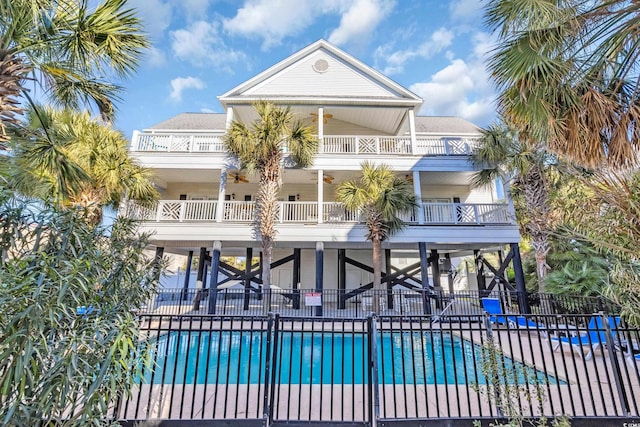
[203,48]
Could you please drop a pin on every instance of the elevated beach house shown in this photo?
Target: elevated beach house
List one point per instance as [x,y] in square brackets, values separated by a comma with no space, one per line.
[321,253]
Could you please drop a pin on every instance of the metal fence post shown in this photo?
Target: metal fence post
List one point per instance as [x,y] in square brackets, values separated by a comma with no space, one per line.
[615,366]
[272,325]
[374,398]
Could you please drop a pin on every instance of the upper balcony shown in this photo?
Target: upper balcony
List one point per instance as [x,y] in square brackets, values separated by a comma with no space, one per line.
[178,211]
[174,142]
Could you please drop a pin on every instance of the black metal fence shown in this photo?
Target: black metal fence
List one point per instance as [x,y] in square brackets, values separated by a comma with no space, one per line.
[389,369]
[360,303]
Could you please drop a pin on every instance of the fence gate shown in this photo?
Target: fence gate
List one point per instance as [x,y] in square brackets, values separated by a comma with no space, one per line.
[321,372]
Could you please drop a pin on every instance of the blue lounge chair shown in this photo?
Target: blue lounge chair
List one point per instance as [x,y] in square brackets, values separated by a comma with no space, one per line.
[494,308]
[594,337]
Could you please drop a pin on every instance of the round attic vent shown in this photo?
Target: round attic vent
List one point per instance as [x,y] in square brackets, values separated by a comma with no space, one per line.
[320,66]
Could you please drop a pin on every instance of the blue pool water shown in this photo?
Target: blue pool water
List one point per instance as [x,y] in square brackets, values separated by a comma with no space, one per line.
[304,358]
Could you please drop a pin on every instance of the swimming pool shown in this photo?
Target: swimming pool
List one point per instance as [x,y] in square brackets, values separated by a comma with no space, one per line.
[239,357]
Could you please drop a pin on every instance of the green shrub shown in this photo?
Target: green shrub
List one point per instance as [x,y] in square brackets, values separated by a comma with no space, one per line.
[58,366]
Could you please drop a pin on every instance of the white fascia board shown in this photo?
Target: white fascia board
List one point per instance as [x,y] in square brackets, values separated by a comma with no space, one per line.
[334,233]
[326,101]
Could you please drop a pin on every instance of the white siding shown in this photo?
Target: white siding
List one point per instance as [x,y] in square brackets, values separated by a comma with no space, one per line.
[300,79]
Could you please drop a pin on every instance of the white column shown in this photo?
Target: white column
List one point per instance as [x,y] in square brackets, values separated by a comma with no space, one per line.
[221,194]
[412,132]
[227,123]
[417,189]
[320,122]
[320,195]
[135,141]
[320,128]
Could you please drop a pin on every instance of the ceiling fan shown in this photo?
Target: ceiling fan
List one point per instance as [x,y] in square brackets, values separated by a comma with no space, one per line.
[328,179]
[240,179]
[325,117]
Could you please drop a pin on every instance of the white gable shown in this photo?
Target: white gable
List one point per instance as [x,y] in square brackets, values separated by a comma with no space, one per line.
[322,71]
[309,77]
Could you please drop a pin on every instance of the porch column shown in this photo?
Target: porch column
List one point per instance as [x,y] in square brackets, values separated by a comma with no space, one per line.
[247,281]
[523,301]
[221,194]
[387,266]
[417,189]
[435,272]
[424,277]
[412,132]
[213,282]
[342,277]
[187,276]
[320,122]
[320,195]
[482,284]
[229,118]
[201,260]
[447,265]
[296,278]
[319,273]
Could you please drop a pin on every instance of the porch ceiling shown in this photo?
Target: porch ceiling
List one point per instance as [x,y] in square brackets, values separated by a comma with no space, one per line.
[303,176]
[381,120]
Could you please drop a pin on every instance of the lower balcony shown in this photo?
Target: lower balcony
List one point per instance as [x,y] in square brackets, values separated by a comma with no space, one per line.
[307,212]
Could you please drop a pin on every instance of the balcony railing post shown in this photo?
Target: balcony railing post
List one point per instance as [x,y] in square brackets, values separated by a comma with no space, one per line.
[135,141]
[475,214]
[159,212]
[182,210]
[447,147]
[377,145]
[357,145]
[192,143]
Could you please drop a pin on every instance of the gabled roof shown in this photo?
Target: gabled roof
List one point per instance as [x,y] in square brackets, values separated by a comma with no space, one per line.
[193,121]
[439,124]
[322,74]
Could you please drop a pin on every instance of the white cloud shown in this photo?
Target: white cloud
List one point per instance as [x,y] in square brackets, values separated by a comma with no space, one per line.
[180,84]
[195,8]
[466,10]
[272,20]
[439,40]
[156,57]
[360,20]
[155,14]
[460,89]
[202,44]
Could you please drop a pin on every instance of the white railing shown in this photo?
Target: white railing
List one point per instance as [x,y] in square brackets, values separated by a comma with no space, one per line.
[334,212]
[307,212]
[465,213]
[330,144]
[298,212]
[209,143]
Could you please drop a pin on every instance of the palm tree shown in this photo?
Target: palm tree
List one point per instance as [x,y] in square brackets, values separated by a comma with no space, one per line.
[73,159]
[68,51]
[568,74]
[524,166]
[261,147]
[383,198]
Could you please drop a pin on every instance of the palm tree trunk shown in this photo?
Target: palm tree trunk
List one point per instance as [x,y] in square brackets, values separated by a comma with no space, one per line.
[377,274]
[12,72]
[267,248]
[540,245]
[265,224]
